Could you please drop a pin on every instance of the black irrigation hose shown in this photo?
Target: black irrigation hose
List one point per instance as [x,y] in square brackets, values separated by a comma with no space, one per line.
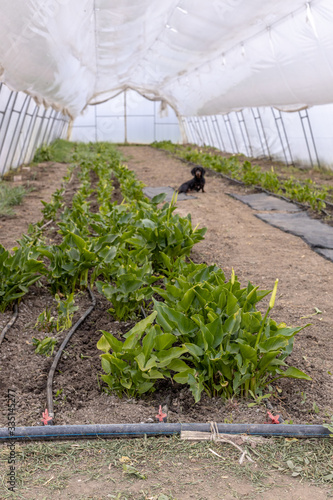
[58,432]
[10,323]
[49,396]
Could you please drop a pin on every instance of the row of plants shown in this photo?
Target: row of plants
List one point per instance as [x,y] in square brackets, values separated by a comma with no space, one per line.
[206,334]
[199,330]
[307,192]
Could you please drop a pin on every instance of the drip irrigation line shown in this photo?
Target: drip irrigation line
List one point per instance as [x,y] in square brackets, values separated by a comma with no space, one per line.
[49,396]
[58,432]
[10,322]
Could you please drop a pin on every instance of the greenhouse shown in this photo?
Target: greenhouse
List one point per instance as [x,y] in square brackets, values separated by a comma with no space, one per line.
[166,249]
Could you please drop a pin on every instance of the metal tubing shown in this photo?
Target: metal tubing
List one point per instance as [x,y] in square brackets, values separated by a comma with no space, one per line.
[306,117]
[241,121]
[227,122]
[18,130]
[201,135]
[192,131]
[36,143]
[209,134]
[8,124]
[219,134]
[196,132]
[216,141]
[256,120]
[27,135]
[278,118]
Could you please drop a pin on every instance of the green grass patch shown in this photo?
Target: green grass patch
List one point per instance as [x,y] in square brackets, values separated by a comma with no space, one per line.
[155,461]
[10,197]
[59,151]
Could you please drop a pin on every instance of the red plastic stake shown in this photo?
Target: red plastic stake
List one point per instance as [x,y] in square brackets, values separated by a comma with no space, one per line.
[46,417]
[274,419]
[161,417]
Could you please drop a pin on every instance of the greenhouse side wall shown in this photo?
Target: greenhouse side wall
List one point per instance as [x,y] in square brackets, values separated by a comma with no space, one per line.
[296,138]
[24,126]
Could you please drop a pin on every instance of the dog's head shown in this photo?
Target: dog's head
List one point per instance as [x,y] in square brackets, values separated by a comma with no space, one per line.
[198,172]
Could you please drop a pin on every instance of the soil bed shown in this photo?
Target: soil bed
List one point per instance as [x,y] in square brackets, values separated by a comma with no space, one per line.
[235,239]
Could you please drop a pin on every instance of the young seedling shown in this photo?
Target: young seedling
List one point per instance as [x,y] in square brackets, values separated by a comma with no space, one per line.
[45,346]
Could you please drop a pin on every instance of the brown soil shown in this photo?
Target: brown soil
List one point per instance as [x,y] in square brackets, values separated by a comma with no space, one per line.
[235,239]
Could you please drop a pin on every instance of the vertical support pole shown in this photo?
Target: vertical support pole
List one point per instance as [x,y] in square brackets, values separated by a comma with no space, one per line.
[218,134]
[44,140]
[7,127]
[27,135]
[154,121]
[17,132]
[36,142]
[201,135]
[261,132]
[244,132]
[191,129]
[209,134]
[304,117]
[189,132]
[182,126]
[283,136]
[125,115]
[34,120]
[230,133]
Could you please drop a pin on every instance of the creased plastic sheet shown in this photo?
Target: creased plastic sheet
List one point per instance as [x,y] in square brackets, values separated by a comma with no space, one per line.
[202,58]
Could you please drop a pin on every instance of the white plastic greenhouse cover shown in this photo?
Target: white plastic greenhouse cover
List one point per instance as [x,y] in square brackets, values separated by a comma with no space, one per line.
[201,57]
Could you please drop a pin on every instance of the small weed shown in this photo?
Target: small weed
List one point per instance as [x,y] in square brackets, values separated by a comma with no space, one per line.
[46,322]
[66,310]
[315,408]
[258,399]
[45,346]
[42,154]
[132,471]
[9,197]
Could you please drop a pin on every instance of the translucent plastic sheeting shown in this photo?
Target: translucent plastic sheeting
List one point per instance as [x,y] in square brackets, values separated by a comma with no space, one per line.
[203,58]
[303,137]
[127,117]
[24,126]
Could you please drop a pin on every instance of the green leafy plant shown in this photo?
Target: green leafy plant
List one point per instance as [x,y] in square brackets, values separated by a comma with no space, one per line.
[51,209]
[125,367]
[45,346]
[132,287]
[258,399]
[46,321]
[18,272]
[43,153]
[211,336]
[132,471]
[66,310]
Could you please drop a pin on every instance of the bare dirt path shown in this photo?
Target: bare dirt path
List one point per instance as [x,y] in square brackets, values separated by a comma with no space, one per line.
[43,179]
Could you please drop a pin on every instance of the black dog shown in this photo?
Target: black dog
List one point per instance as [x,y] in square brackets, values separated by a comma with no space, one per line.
[195,184]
